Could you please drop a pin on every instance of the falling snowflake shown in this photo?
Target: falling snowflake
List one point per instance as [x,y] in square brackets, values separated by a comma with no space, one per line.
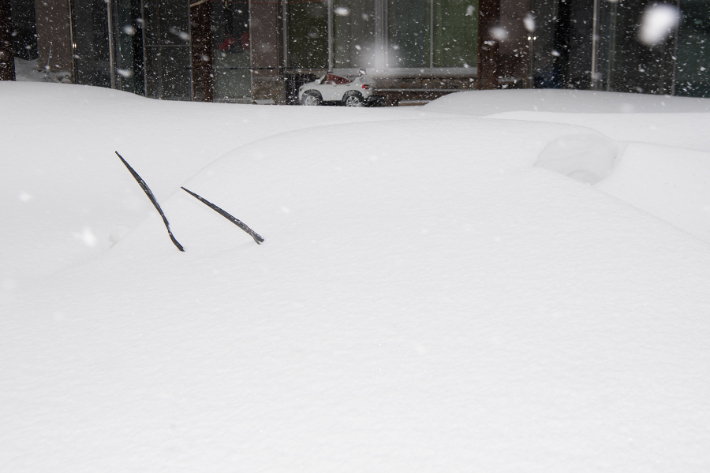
[658,23]
[529,22]
[341,11]
[499,33]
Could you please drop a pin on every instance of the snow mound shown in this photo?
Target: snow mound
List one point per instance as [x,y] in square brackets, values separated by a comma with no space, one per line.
[586,157]
[670,183]
[403,173]
[489,102]
[65,197]
[684,130]
[427,297]
[417,297]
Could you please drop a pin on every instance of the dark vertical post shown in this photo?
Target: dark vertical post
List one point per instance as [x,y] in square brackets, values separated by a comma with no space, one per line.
[7,58]
[563,32]
[488,18]
[110,22]
[201,32]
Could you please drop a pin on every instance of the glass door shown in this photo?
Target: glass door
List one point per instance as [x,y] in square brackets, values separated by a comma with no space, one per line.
[90,42]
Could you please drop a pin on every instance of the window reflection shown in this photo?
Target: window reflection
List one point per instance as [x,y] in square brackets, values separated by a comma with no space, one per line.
[408,33]
[455,41]
[354,34]
[307,34]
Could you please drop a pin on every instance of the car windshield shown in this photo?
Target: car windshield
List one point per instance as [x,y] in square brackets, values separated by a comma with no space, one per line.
[334,79]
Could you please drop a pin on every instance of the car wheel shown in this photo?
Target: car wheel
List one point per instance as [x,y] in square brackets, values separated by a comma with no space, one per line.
[311,98]
[353,99]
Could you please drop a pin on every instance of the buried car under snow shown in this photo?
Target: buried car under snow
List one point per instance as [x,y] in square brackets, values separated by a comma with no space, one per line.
[334,89]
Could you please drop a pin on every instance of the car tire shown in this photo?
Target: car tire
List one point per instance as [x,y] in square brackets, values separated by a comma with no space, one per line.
[311,98]
[353,99]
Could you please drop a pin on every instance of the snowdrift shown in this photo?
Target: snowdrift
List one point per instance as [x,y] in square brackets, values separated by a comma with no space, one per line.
[435,293]
[491,102]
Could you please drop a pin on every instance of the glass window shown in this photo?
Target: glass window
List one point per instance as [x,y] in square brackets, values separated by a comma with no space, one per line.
[167,22]
[692,76]
[307,34]
[546,68]
[168,73]
[633,66]
[354,34]
[167,50]
[129,46]
[408,35]
[24,25]
[91,47]
[455,33]
[231,50]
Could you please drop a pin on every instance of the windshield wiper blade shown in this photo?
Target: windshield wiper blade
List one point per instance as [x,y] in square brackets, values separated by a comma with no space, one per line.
[153,200]
[257,238]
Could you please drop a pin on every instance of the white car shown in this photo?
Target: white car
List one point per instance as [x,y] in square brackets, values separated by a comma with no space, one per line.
[335,89]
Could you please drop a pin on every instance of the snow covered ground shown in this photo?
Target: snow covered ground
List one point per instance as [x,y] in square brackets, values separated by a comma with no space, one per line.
[32,71]
[498,281]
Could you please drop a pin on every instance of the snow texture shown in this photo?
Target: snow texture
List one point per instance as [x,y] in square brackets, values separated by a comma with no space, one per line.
[438,290]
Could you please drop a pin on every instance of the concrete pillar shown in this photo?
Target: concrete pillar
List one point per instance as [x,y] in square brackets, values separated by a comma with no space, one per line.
[515,53]
[504,50]
[54,35]
[488,45]
[266,31]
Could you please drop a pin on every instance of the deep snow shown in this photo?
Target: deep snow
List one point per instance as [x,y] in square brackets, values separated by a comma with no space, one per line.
[437,291]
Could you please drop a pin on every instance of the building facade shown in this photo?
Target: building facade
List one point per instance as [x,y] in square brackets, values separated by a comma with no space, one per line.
[262,50]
